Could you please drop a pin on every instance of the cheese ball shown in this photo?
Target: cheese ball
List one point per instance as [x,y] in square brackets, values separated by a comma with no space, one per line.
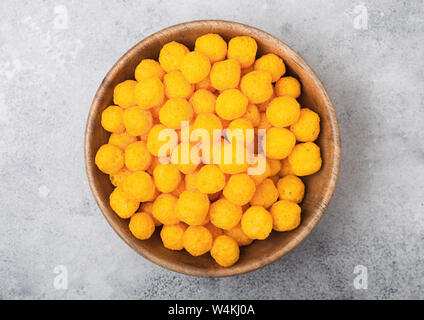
[142,226]
[291,188]
[203,101]
[137,157]
[122,140]
[191,181]
[240,189]
[243,126]
[257,86]
[233,158]
[139,186]
[205,84]
[122,205]
[215,231]
[225,74]
[167,177]
[124,94]
[137,121]
[279,143]
[197,240]
[272,64]
[172,236]
[305,159]
[195,67]
[259,177]
[177,158]
[192,208]
[231,104]
[154,143]
[275,166]
[148,208]
[264,105]
[283,112]
[237,234]
[208,122]
[285,168]
[109,159]
[177,86]
[264,122]
[210,179]
[286,215]
[180,189]
[164,209]
[149,93]
[213,46]
[243,49]
[117,178]
[225,251]
[257,223]
[266,194]
[171,56]
[307,128]
[252,114]
[288,86]
[112,119]
[224,214]
[148,68]
[174,111]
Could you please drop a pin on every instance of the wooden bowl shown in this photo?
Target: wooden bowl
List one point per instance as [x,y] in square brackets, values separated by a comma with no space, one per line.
[320,186]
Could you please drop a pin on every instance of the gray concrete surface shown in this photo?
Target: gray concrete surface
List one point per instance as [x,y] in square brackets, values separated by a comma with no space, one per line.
[54,54]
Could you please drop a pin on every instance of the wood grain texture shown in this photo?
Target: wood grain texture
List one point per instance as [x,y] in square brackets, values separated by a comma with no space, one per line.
[320,187]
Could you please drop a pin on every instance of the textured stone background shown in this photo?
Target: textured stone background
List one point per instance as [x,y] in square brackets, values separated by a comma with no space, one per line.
[50,69]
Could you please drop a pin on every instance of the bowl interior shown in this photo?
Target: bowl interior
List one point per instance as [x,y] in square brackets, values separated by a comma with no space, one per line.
[320,186]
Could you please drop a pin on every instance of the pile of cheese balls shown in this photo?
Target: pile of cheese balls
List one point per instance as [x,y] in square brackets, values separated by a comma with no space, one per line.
[209,207]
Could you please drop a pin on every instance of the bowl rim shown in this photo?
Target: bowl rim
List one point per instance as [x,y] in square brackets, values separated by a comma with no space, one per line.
[293,243]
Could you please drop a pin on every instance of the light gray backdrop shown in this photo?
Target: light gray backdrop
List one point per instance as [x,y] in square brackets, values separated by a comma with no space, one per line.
[54,54]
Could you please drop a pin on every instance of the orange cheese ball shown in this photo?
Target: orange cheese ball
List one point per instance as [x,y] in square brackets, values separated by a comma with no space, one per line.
[275,166]
[174,111]
[213,46]
[225,251]
[209,122]
[272,64]
[137,157]
[197,240]
[117,178]
[283,112]
[210,179]
[307,128]
[291,188]
[216,232]
[154,144]
[243,49]
[137,121]
[257,86]
[148,68]
[231,104]
[286,215]
[122,205]
[244,127]
[237,234]
[224,214]
[252,114]
[260,177]
[264,123]
[149,93]
[167,177]
[240,189]
[122,140]
[279,143]
[191,181]
[112,119]
[257,223]
[264,105]
[180,189]
[285,168]
[192,208]
[124,94]
[288,86]
[205,84]
[233,158]
[171,56]
[172,236]
[142,226]
[266,194]
[164,209]
[139,186]
[203,101]
[195,67]
[225,74]
[177,86]
[109,159]
[148,208]
[177,158]
[153,165]
[305,159]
